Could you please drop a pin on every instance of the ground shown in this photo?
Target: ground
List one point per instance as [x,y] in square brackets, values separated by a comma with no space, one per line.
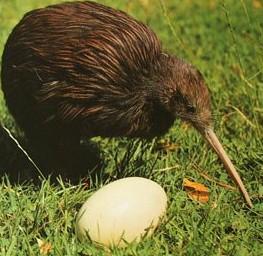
[224,40]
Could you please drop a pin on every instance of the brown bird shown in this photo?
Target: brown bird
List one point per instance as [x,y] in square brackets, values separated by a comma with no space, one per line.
[84,69]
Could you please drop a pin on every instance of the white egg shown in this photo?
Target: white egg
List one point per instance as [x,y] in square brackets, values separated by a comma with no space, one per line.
[122,212]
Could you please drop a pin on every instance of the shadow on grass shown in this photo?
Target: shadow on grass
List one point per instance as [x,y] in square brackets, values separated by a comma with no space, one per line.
[86,163]
[19,169]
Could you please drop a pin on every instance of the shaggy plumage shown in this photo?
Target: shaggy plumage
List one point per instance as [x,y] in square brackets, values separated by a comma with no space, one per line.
[89,69]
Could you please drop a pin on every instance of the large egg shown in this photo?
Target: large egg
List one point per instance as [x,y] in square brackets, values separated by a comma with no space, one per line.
[122,212]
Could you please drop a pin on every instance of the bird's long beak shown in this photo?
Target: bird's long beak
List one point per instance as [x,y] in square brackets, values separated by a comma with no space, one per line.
[216,145]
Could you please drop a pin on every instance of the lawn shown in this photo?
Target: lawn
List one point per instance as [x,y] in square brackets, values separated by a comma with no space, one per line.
[224,39]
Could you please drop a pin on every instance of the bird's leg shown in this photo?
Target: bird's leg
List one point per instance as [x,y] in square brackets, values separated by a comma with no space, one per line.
[75,160]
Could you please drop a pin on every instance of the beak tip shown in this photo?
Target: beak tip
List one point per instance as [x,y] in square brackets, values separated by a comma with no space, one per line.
[216,145]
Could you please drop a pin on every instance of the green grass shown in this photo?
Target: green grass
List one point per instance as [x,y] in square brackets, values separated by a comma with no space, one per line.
[224,39]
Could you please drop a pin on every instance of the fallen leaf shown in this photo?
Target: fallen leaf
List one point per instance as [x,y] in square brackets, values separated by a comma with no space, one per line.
[145,3]
[257,4]
[44,246]
[196,191]
[167,146]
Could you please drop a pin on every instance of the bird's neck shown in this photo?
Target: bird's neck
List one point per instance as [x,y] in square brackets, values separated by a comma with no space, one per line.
[147,107]
[146,110]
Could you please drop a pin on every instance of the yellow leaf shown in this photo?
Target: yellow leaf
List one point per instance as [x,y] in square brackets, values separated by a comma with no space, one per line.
[196,191]
[145,3]
[44,246]
[167,146]
[257,4]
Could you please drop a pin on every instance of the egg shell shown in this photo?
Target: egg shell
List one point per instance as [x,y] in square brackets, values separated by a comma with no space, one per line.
[122,212]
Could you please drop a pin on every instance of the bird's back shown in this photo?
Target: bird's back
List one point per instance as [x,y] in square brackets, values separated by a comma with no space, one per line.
[67,59]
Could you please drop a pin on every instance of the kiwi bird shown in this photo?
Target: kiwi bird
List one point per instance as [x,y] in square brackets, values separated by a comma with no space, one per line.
[84,69]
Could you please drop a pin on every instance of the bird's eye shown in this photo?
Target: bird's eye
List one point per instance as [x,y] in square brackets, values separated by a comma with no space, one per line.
[191,109]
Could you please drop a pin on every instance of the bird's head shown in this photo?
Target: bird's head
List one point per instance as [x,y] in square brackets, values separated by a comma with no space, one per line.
[189,99]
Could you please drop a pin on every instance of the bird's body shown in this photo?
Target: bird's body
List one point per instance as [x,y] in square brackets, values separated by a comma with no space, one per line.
[91,75]
[84,69]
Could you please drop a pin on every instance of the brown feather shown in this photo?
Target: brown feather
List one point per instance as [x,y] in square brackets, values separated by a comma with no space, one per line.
[84,69]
